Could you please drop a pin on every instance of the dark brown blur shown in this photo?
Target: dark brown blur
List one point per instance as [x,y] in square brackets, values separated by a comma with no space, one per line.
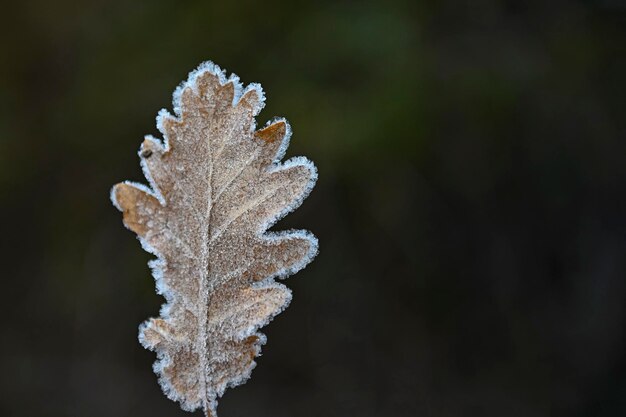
[471,206]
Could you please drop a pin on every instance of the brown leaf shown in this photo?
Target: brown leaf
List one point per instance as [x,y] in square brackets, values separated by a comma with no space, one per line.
[216,187]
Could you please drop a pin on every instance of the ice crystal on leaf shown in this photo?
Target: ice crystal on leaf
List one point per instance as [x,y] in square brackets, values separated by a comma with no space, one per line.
[216,186]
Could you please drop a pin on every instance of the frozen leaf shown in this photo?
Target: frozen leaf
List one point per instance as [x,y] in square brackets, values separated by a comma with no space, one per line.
[216,186]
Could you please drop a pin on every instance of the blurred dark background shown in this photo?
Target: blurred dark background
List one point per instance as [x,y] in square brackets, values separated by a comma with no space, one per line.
[471,206]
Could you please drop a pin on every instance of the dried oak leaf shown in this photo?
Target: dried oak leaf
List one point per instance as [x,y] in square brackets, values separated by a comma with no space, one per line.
[216,187]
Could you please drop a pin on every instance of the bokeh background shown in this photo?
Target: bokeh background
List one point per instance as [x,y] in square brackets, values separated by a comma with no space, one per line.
[471,206]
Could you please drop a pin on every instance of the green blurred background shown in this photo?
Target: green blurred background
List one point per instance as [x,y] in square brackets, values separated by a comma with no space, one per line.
[471,205]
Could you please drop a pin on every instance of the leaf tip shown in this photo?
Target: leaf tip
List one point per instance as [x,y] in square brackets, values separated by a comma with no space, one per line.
[207,76]
[113,196]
